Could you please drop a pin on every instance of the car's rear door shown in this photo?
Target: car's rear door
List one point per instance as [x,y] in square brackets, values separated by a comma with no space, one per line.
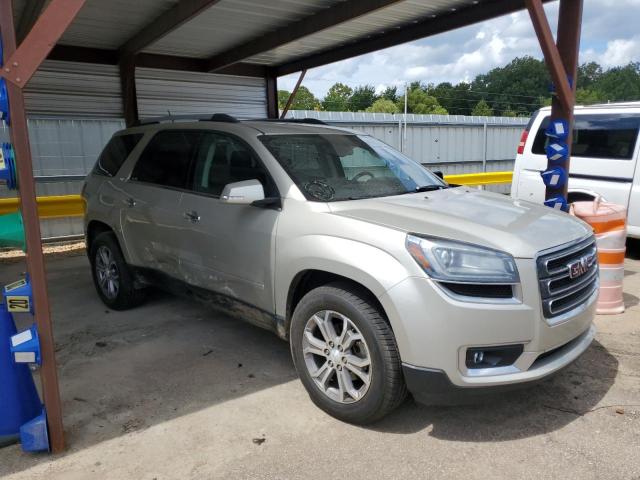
[232,246]
[151,219]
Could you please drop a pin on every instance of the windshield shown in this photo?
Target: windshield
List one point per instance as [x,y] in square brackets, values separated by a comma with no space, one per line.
[334,167]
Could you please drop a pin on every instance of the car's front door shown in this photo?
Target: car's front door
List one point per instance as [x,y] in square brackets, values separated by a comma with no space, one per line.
[233,246]
[151,219]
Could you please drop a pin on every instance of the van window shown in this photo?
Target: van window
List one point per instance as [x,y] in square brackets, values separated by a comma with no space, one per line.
[597,136]
[165,161]
[115,153]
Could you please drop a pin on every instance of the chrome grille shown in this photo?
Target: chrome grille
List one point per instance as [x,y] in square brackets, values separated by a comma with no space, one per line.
[561,293]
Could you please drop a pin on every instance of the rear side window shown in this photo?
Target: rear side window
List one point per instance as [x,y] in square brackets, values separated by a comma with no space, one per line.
[115,153]
[597,136]
[166,159]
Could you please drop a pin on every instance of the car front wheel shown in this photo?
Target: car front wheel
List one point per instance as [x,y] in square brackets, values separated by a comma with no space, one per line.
[346,354]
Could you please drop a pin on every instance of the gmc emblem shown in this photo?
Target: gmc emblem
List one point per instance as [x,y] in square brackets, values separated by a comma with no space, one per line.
[581,266]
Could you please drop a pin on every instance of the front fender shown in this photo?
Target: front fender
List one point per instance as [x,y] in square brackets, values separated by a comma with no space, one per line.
[372,267]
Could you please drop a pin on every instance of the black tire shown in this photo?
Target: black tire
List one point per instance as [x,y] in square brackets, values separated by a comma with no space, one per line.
[386,389]
[127,296]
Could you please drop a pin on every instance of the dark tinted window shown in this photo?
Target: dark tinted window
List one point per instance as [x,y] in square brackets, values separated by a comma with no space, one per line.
[115,153]
[599,136]
[221,159]
[166,159]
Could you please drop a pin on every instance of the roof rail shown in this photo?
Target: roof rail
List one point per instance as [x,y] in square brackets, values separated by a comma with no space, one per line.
[216,117]
[311,121]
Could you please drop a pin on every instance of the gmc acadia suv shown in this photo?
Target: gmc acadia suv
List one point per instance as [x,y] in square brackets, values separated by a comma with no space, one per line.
[382,277]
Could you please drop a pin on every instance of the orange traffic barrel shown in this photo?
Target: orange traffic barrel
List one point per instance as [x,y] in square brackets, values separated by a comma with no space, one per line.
[609,222]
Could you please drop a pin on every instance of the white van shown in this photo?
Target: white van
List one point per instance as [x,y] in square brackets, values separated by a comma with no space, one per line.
[604,158]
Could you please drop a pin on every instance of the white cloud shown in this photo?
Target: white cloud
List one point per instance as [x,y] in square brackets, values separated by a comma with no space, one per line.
[609,36]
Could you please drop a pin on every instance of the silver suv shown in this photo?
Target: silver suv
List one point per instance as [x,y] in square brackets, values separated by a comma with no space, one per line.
[381,276]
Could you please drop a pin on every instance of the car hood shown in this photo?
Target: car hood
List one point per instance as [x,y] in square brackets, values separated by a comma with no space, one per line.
[518,227]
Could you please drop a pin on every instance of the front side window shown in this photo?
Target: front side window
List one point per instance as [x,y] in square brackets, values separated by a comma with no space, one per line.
[597,136]
[333,167]
[115,153]
[165,161]
[221,159]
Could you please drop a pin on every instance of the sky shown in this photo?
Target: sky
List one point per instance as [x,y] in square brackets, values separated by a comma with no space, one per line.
[610,36]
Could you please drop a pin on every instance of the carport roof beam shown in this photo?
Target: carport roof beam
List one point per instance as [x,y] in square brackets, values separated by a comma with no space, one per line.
[332,16]
[166,23]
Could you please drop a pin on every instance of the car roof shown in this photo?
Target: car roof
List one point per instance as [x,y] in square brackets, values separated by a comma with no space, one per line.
[632,107]
[266,127]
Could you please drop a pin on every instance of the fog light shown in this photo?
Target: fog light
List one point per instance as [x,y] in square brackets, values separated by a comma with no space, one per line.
[492,357]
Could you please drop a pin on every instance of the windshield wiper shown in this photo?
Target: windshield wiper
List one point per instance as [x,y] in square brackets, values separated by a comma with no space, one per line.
[428,188]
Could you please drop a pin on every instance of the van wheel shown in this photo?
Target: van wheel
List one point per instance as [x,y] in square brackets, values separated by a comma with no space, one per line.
[346,355]
[112,277]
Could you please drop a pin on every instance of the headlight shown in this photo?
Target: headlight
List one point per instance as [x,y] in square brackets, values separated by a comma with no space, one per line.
[451,261]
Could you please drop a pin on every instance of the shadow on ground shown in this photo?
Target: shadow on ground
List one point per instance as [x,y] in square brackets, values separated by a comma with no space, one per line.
[537,410]
[126,371]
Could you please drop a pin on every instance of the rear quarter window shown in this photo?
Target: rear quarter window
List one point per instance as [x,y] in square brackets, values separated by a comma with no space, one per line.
[115,153]
[597,136]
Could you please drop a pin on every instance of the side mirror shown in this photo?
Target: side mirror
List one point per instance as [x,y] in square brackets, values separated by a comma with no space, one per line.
[242,193]
[438,174]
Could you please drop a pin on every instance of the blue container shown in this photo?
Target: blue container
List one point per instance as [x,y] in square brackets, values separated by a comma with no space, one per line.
[8,166]
[19,400]
[34,435]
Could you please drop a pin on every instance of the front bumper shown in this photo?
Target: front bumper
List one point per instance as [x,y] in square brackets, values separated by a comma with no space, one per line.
[434,331]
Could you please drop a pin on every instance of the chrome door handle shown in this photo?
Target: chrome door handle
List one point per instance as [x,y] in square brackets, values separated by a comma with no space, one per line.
[130,202]
[192,216]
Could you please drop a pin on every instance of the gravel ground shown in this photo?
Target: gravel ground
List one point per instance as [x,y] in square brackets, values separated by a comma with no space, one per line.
[174,391]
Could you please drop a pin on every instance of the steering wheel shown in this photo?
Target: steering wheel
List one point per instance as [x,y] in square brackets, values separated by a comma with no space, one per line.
[363,174]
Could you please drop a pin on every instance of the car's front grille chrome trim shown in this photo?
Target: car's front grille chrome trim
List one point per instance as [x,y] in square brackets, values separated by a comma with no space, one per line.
[560,293]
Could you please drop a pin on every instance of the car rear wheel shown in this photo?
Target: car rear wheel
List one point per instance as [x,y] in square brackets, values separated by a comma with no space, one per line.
[112,277]
[346,354]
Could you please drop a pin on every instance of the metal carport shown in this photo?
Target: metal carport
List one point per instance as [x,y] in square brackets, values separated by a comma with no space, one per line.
[251,39]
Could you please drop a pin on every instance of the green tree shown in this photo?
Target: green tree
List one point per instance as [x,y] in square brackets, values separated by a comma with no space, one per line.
[362,98]
[585,96]
[383,105]
[337,98]
[283,96]
[619,83]
[390,93]
[304,100]
[419,101]
[516,87]
[482,109]
[588,74]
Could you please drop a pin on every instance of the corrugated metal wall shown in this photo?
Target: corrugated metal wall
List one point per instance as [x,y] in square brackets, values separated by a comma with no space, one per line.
[161,92]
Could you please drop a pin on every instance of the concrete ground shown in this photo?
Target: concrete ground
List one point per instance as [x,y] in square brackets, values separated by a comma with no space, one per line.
[174,391]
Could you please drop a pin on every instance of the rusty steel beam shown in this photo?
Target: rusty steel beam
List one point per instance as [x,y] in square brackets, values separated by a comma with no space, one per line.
[35,259]
[551,54]
[128,88]
[166,23]
[70,53]
[272,94]
[22,63]
[292,96]
[327,18]
[569,27]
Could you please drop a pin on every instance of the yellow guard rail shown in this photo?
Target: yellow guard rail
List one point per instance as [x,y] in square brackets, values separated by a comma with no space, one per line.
[73,205]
